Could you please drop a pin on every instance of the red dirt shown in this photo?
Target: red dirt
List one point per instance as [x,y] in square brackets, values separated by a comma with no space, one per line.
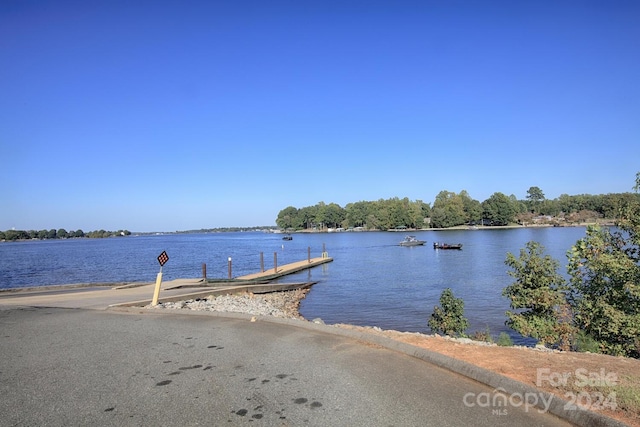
[522,364]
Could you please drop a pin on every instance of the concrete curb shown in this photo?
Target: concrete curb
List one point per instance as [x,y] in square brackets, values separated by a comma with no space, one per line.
[499,383]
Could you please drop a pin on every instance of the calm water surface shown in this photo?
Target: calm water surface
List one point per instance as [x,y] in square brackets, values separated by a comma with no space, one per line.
[371,282]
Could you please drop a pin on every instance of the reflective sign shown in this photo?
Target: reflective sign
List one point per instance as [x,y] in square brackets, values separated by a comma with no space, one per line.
[163,258]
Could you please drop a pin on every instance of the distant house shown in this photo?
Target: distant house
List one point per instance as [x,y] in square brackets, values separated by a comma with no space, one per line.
[542,219]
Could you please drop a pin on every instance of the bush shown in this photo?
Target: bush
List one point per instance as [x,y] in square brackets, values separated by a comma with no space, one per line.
[482,335]
[449,318]
[585,343]
[504,340]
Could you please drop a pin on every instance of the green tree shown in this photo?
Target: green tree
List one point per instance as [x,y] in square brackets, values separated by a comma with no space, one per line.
[605,277]
[612,204]
[98,234]
[499,209]
[381,217]
[539,296]
[535,196]
[564,203]
[549,207]
[472,208]
[448,210]
[62,233]
[321,217]
[307,216]
[356,213]
[418,211]
[332,215]
[12,235]
[399,212]
[287,218]
[449,317]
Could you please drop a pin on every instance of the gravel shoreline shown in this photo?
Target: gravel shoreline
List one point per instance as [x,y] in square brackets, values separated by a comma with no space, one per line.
[283,304]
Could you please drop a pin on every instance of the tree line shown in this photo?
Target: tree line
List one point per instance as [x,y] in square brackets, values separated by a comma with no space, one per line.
[12,235]
[451,209]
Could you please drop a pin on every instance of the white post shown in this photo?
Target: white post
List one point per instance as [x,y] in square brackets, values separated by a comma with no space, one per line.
[156,292]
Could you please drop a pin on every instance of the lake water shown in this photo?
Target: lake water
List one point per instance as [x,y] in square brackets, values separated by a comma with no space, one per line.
[371,282]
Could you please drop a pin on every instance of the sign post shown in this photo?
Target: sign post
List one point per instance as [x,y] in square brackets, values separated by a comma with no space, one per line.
[162,259]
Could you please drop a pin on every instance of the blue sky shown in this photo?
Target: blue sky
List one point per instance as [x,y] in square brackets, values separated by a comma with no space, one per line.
[162,116]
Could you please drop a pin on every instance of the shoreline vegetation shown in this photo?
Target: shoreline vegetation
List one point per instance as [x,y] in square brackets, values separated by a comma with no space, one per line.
[23,235]
[452,210]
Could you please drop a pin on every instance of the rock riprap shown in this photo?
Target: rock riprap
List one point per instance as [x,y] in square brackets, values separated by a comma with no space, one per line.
[277,304]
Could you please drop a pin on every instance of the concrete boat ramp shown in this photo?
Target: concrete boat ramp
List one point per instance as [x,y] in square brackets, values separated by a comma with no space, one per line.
[97,296]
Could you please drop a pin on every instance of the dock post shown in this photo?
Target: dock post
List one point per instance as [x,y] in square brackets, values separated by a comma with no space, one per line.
[204,271]
[309,254]
[261,262]
[156,291]
[275,262]
[229,265]
[324,251]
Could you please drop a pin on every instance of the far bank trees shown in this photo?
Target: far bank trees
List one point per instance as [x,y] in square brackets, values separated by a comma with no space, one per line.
[451,209]
[13,235]
[380,215]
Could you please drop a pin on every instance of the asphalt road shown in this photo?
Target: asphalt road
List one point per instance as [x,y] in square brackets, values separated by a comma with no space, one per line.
[79,367]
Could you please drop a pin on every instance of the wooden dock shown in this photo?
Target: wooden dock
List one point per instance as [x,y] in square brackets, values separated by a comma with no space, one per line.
[284,270]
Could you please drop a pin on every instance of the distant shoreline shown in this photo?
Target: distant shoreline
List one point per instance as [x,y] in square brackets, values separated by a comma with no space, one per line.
[604,223]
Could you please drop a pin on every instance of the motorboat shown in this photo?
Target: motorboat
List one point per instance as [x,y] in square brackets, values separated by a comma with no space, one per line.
[412,241]
[437,245]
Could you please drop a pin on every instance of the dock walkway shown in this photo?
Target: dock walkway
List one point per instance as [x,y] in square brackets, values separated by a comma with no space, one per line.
[286,269]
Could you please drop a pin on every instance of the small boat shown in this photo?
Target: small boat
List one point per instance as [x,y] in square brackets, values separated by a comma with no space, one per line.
[287,237]
[437,245]
[412,241]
